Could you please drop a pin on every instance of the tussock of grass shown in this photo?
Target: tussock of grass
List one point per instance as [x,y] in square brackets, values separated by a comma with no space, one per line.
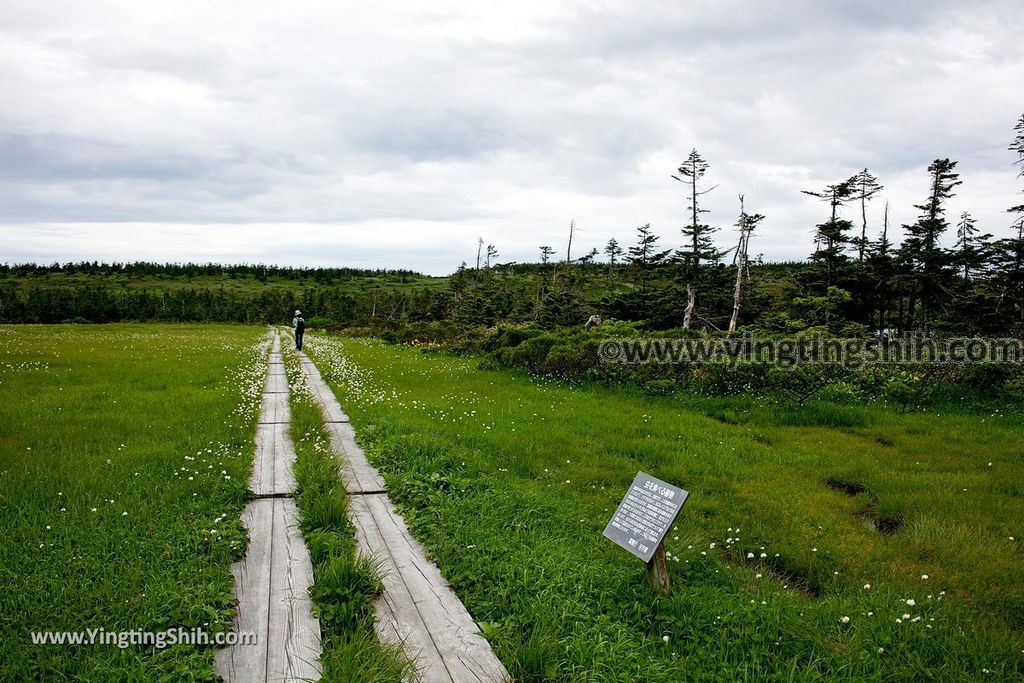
[345,585]
[509,480]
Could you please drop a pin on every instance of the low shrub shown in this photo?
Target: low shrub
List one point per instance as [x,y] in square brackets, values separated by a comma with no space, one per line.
[574,353]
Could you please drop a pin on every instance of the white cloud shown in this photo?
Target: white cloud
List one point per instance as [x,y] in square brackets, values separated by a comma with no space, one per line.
[393,135]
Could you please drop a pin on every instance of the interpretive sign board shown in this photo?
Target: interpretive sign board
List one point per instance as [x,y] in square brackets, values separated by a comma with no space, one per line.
[645,515]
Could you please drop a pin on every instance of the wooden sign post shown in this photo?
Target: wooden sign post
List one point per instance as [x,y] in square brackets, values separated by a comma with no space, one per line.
[641,521]
[657,571]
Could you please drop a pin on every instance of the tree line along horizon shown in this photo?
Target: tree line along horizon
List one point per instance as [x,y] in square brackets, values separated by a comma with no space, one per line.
[855,281]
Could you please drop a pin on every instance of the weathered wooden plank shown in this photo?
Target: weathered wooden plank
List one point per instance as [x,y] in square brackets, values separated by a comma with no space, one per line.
[358,475]
[248,662]
[284,460]
[261,480]
[272,466]
[419,607]
[275,408]
[294,646]
[276,382]
[322,392]
[396,619]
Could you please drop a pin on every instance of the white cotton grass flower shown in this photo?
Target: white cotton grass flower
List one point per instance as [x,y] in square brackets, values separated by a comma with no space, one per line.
[867,586]
[911,602]
[665,638]
[844,620]
[924,577]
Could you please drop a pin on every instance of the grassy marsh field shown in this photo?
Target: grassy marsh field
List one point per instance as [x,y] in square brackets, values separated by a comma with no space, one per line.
[833,541]
[124,456]
[824,542]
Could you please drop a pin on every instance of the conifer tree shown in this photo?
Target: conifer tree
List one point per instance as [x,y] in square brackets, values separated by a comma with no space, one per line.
[698,245]
[831,236]
[644,256]
[971,252]
[921,249]
[865,186]
[613,251]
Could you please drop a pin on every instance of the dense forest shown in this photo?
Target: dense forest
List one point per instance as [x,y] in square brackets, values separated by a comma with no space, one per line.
[945,276]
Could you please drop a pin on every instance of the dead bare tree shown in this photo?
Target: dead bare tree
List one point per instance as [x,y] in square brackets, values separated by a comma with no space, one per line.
[746,225]
[568,250]
[691,301]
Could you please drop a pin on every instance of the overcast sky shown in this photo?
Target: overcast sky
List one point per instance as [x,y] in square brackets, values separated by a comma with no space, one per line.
[393,134]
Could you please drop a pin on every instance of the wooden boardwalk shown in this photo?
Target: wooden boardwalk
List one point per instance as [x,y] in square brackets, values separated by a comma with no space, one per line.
[418,610]
[358,475]
[272,582]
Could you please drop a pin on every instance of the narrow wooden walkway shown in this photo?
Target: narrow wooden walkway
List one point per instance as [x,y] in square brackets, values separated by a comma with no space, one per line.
[418,610]
[272,582]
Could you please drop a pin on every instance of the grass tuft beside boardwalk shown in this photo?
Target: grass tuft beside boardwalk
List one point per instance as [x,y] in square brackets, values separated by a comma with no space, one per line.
[124,456]
[824,542]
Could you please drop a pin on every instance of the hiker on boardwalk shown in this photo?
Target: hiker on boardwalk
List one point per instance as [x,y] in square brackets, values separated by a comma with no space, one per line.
[299,323]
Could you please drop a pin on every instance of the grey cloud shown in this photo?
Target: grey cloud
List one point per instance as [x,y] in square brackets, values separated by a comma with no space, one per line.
[430,125]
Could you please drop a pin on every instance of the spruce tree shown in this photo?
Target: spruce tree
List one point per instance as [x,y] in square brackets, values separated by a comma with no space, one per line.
[865,186]
[613,251]
[1009,252]
[971,252]
[1018,146]
[831,236]
[923,253]
[698,243]
[881,271]
[644,256]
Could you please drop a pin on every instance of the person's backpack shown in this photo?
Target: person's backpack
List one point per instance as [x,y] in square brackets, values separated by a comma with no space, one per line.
[300,325]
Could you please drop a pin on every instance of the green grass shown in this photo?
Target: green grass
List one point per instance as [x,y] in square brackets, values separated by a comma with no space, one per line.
[124,456]
[344,586]
[509,481]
